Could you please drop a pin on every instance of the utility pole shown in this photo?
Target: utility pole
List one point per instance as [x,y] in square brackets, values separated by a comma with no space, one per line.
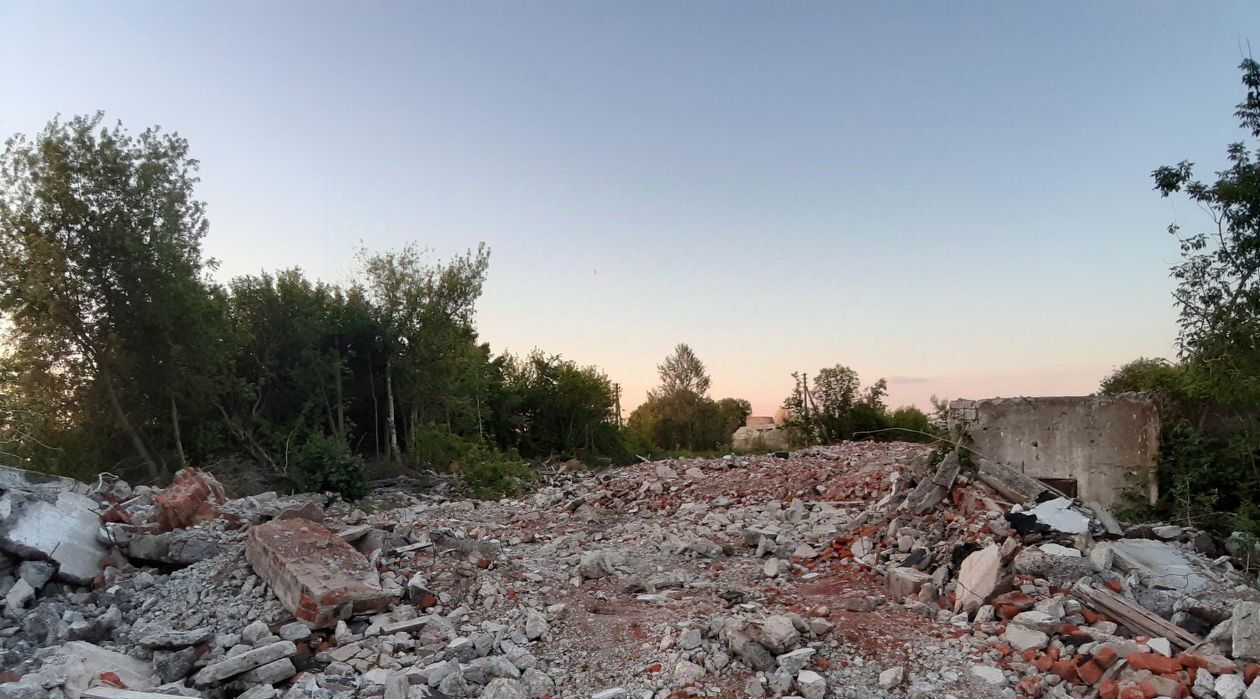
[617,403]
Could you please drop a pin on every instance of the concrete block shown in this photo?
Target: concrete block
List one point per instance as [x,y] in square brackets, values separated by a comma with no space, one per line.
[316,575]
[61,528]
[904,582]
[979,578]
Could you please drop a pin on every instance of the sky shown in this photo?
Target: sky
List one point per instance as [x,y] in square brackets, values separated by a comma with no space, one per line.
[954,196]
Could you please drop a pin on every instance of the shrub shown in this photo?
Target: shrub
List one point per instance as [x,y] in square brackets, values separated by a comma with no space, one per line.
[323,463]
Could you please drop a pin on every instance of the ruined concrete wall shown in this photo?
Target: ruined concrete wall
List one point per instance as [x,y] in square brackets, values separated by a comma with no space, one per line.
[1101,442]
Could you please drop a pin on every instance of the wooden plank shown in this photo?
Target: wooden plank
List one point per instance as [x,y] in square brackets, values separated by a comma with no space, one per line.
[1136,617]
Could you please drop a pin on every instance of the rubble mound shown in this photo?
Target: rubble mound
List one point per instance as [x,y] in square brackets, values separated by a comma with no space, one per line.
[857,570]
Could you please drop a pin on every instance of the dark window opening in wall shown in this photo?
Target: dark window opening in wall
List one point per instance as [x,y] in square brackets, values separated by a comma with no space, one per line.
[1067,486]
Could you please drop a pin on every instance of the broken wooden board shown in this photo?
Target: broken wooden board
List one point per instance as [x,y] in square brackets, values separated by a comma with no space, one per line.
[1133,615]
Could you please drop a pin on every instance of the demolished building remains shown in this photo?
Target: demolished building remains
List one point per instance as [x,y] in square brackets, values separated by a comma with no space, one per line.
[856,570]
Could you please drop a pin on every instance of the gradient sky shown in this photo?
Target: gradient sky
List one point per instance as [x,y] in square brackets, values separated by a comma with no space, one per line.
[952,195]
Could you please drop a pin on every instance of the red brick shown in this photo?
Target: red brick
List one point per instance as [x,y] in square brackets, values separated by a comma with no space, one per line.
[1109,690]
[1132,691]
[1089,671]
[193,497]
[1065,669]
[316,575]
[1156,663]
[1250,672]
[1105,657]
[1215,664]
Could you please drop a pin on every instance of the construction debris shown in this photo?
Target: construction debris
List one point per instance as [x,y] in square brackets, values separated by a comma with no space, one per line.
[846,571]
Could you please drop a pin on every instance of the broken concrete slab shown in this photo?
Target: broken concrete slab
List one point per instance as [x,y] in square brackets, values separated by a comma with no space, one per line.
[1246,631]
[60,527]
[244,662]
[78,665]
[1008,482]
[1061,515]
[179,547]
[979,578]
[316,575]
[1160,564]
[930,491]
[34,482]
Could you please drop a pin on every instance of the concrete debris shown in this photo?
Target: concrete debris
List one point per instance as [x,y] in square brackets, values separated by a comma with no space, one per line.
[845,571]
[60,527]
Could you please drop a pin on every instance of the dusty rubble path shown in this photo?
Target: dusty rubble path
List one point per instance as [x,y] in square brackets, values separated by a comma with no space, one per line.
[639,578]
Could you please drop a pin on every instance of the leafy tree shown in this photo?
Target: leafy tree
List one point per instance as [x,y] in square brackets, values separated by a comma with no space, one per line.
[1218,292]
[425,312]
[1209,463]
[101,275]
[682,371]
[734,413]
[562,408]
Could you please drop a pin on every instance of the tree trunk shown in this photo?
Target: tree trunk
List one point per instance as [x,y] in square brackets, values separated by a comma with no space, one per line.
[341,403]
[391,428]
[179,444]
[155,472]
[376,409]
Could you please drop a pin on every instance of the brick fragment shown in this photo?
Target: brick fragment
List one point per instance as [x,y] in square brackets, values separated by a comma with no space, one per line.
[316,575]
[191,498]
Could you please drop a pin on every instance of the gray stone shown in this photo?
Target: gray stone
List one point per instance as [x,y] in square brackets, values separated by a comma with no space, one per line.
[295,631]
[1229,686]
[254,632]
[796,661]
[23,690]
[482,670]
[989,674]
[778,634]
[1023,638]
[535,625]
[537,683]
[689,639]
[172,666]
[687,673]
[245,662]
[504,688]
[892,677]
[170,638]
[17,597]
[37,573]
[812,685]
[1246,631]
[271,673]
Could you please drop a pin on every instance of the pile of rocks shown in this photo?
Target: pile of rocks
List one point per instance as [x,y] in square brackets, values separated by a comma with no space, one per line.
[849,571]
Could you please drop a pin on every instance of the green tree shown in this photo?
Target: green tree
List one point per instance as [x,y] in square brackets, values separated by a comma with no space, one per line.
[734,413]
[425,313]
[1218,291]
[101,276]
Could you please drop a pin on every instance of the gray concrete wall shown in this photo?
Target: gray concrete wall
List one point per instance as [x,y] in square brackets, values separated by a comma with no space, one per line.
[1099,441]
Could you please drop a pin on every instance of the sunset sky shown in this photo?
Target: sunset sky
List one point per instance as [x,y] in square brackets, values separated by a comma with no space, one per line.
[955,196]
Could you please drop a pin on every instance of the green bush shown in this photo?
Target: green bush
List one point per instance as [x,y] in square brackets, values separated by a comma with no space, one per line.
[323,463]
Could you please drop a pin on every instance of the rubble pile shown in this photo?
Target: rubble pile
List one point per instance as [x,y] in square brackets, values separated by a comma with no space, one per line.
[859,570]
